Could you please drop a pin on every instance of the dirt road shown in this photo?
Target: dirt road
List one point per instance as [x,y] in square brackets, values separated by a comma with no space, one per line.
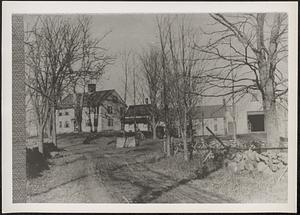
[102,173]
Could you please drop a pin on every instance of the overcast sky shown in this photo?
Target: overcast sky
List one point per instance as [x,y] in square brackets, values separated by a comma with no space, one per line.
[133,32]
[128,32]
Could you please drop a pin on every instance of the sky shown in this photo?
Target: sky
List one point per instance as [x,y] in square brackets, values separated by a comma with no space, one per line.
[134,32]
[128,32]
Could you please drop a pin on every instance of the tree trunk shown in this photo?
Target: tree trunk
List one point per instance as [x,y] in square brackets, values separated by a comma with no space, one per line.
[48,127]
[79,124]
[271,124]
[90,120]
[96,116]
[54,140]
[184,137]
[266,64]
[41,139]
[192,138]
[165,145]
[79,118]
[154,125]
[168,144]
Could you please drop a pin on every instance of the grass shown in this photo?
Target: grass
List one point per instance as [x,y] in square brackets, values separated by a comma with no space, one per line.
[176,167]
[245,187]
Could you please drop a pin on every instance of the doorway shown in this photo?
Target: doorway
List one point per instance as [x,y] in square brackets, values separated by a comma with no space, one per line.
[256,122]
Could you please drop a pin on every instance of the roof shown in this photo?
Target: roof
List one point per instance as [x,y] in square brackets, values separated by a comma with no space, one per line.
[137,120]
[89,99]
[210,111]
[138,110]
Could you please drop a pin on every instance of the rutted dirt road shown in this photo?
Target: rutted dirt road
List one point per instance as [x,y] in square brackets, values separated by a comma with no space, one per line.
[101,173]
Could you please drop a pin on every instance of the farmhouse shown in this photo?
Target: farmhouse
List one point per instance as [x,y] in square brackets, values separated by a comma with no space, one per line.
[101,110]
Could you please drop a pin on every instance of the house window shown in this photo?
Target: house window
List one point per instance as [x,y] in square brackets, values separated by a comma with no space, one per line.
[66,113]
[110,122]
[60,124]
[109,109]
[67,125]
[60,114]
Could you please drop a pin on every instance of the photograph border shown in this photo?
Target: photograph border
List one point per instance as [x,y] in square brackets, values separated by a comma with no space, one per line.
[12,185]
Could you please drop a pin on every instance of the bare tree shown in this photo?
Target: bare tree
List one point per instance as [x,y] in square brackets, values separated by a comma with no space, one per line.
[52,47]
[125,60]
[163,34]
[183,66]
[152,71]
[41,109]
[259,46]
[133,70]
[94,59]
[125,56]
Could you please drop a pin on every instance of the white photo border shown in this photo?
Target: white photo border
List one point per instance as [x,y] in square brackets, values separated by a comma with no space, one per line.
[23,7]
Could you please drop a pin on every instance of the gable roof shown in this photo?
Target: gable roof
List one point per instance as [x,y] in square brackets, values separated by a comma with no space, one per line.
[210,111]
[142,110]
[90,99]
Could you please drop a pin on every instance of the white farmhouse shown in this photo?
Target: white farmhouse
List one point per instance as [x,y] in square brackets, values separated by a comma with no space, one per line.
[102,110]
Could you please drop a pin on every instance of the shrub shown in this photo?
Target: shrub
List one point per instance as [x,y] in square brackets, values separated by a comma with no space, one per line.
[35,163]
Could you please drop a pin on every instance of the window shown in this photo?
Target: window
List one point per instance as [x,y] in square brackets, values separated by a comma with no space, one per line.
[60,124]
[67,125]
[66,113]
[60,114]
[110,122]
[109,109]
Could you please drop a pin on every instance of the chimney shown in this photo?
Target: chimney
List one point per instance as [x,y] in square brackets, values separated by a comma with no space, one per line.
[146,100]
[91,88]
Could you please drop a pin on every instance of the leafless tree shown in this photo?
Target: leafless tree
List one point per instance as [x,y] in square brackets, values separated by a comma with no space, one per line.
[259,48]
[183,66]
[152,71]
[41,107]
[94,59]
[134,86]
[162,22]
[52,47]
[125,56]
